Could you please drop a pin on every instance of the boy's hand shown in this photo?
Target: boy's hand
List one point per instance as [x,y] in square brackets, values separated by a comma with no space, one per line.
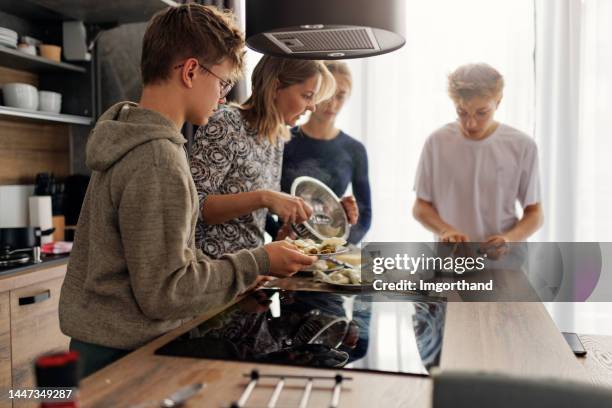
[495,246]
[351,209]
[452,235]
[285,259]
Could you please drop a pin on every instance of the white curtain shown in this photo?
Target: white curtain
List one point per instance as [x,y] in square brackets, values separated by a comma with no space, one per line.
[400,98]
[556,56]
[573,99]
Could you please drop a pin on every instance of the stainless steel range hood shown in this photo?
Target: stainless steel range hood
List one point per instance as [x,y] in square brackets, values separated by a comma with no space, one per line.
[325,29]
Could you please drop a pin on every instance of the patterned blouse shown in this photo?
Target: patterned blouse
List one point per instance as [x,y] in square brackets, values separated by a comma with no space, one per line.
[228,157]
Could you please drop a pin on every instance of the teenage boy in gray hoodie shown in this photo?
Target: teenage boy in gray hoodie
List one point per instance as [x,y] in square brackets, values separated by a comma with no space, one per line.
[134,272]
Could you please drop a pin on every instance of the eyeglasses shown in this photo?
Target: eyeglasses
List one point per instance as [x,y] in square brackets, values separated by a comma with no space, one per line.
[226,86]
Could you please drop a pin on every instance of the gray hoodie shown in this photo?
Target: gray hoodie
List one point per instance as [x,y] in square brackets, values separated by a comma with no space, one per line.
[134,272]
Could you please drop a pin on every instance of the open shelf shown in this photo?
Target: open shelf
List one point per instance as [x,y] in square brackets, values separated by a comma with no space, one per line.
[46,116]
[88,11]
[20,60]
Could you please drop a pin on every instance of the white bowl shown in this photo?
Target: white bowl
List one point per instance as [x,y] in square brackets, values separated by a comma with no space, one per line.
[27,49]
[49,101]
[22,96]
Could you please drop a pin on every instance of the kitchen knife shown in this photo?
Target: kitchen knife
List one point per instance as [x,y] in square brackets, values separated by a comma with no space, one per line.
[179,397]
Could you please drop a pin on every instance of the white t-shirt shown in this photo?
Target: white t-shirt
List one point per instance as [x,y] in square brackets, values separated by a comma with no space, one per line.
[474,185]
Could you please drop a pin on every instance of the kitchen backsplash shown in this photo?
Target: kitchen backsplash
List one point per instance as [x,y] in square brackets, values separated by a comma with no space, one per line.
[14,205]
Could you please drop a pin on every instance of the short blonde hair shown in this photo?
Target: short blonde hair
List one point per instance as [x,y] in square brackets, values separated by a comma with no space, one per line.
[340,68]
[475,80]
[260,110]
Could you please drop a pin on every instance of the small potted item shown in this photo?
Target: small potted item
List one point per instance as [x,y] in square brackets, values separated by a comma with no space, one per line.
[52,52]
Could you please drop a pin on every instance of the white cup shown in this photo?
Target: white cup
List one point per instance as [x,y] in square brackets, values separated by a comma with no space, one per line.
[50,101]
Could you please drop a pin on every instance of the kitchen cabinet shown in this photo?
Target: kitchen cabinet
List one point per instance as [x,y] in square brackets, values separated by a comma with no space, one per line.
[5,349]
[54,141]
[89,11]
[46,116]
[29,327]
[34,63]
[34,330]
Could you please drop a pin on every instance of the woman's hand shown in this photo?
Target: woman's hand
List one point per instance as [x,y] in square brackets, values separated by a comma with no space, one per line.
[290,209]
[351,209]
[285,232]
[285,259]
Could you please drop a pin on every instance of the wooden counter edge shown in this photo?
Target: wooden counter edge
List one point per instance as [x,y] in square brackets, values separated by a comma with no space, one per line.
[41,273]
[149,348]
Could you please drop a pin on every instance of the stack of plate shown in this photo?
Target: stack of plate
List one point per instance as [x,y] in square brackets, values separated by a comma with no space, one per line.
[8,38]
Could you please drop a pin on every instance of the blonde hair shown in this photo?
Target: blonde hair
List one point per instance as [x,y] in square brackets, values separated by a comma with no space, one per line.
[340,68]
[475,80]
[260,110]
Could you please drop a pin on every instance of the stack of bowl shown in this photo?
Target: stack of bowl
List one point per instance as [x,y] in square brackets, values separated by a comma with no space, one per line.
[8,37]
[21,96]
[26,96]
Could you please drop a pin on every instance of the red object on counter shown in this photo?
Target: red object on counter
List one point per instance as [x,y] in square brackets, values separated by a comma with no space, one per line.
[57,248]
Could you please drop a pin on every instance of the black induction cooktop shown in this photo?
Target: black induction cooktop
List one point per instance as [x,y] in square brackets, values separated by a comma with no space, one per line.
[370,332]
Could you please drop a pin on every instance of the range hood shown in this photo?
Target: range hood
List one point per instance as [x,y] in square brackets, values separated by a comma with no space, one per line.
[325,29]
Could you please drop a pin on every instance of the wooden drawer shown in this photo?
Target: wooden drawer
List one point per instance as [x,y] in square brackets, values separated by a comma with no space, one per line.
[5,350]
[34,330]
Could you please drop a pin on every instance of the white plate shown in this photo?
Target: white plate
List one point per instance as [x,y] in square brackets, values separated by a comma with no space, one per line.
[330,270]
[348,285]
[333,254]
[8,33]
[8,45]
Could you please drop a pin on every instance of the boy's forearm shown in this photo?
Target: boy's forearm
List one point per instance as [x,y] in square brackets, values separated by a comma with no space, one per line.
[220,208]
[428,216]
[528,224]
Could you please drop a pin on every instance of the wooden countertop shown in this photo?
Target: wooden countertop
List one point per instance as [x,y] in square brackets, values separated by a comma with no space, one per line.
[34,274]
[598,361]
[514,338]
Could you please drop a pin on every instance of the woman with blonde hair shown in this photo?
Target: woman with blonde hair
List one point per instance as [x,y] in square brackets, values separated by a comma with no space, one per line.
[321,150]
[474,170]
[237,157]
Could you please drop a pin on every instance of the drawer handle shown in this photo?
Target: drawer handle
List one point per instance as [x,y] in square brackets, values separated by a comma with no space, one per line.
[29,300]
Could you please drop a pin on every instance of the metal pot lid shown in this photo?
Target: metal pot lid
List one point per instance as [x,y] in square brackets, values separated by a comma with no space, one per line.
[328,219]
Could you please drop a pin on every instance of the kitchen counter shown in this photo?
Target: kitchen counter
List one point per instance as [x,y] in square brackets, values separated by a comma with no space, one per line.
[47,261]
[513,338]
[52,267]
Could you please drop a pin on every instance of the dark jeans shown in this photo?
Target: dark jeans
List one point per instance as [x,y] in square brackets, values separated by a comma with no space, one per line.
[93,357]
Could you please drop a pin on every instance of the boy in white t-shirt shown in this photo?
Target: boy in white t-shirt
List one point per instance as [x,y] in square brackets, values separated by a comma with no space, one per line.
[472,171]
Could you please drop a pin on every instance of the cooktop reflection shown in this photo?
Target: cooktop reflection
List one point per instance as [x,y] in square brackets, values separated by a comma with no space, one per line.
[323,330]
